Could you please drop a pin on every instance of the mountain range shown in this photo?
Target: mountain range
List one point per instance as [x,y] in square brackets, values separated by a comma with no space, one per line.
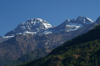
[38,26]
[83,50]
[37,34]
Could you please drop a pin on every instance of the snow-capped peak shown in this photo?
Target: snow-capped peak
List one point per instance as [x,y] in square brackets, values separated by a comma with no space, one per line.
[74,24]
[34,25]
[84,20]
[41,20]
[40,26]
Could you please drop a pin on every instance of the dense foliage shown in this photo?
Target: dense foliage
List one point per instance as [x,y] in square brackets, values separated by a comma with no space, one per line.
[83,50]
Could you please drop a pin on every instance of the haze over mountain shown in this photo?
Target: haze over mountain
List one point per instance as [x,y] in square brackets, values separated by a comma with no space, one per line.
[24,40]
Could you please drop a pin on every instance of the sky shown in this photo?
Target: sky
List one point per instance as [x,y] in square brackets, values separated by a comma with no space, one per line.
[13,12]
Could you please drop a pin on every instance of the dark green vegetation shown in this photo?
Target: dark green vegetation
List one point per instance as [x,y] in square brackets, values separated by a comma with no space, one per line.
[83,50]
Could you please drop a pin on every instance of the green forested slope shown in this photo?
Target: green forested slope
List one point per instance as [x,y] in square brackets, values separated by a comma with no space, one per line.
[83,50]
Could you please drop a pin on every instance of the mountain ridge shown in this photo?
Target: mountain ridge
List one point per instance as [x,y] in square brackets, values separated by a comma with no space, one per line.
[83,50]
[27,43]
[38,26]
[32,26]
[74,24]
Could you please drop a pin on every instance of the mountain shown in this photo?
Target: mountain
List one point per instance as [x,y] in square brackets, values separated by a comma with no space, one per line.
[83,50]
[21,44]
[39,26]
[33,26]
[74,24]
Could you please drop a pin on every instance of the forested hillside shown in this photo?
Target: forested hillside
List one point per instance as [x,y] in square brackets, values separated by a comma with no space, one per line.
[83,50]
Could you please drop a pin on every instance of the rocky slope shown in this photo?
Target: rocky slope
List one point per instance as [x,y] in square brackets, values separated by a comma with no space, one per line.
[83,50]
[19,45]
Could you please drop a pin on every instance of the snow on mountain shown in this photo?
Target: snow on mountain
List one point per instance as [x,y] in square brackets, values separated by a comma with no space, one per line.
[40,26]
[32,26]
[84,20]
[47,32]
[8,36]
[74,24]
